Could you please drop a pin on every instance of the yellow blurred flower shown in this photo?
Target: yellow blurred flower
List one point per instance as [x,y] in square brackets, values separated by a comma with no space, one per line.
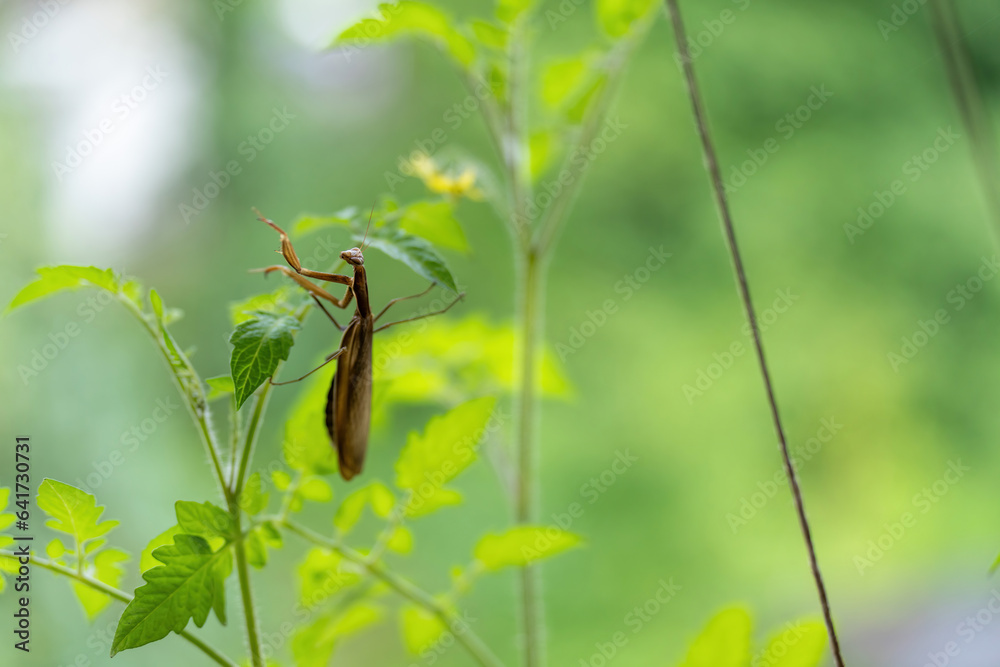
[441,182]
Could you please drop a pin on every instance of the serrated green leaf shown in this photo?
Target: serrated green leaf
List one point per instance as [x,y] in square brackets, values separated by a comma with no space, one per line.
[412,18]
[146,560]
[725,642]
[417,254]
[256,549]
[204,519]
[72,511]
[446,447]
[313,644]
[189,585]
[617,17]
[435,222]
[253,500]
[801,644]
[509,10]
[490,34]
[59,278]
[324,573]
[221,386]
[259,345]
[522,545]
[421,629]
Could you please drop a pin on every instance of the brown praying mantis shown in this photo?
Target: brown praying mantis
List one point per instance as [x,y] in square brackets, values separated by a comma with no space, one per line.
[349,401]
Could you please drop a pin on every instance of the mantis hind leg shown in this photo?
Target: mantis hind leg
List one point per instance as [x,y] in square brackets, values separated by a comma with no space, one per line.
[420,317]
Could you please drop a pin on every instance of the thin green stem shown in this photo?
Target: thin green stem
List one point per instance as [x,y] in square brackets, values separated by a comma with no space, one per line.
[463,634]
[246,594]
[122,596]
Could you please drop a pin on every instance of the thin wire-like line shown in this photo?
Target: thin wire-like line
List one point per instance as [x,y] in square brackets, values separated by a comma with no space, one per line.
[712,164]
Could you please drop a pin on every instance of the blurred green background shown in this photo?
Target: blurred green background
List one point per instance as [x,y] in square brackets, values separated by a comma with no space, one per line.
[854,298]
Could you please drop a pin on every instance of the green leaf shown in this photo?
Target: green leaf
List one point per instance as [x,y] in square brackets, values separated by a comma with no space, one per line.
[256,549]
[58,278]
[417,254]
[490,34]
[725,642]
[282,480]
[421,629]
[435,222]
[72,511]
[401,540]
[316,489]
[204,519]
[377,495]
[146,560]
[617,17]
[324,573]
[220,386]
[509,10]
[189,584]
[270,302]
[543,146]
[560,79]
[252,499]
[312,645]
[259,345]
[801,645]
[55,549]
[523,545]
[422,504]
[446,447]
[412,18]
[107,569]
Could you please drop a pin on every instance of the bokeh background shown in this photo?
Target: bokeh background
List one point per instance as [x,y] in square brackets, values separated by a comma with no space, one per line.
[854,298]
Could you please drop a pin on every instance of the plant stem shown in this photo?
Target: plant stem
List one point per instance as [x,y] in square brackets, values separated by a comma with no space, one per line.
[969,99]
[715,175]
[246,593]
[122,596]
[531,290]
[472,643]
